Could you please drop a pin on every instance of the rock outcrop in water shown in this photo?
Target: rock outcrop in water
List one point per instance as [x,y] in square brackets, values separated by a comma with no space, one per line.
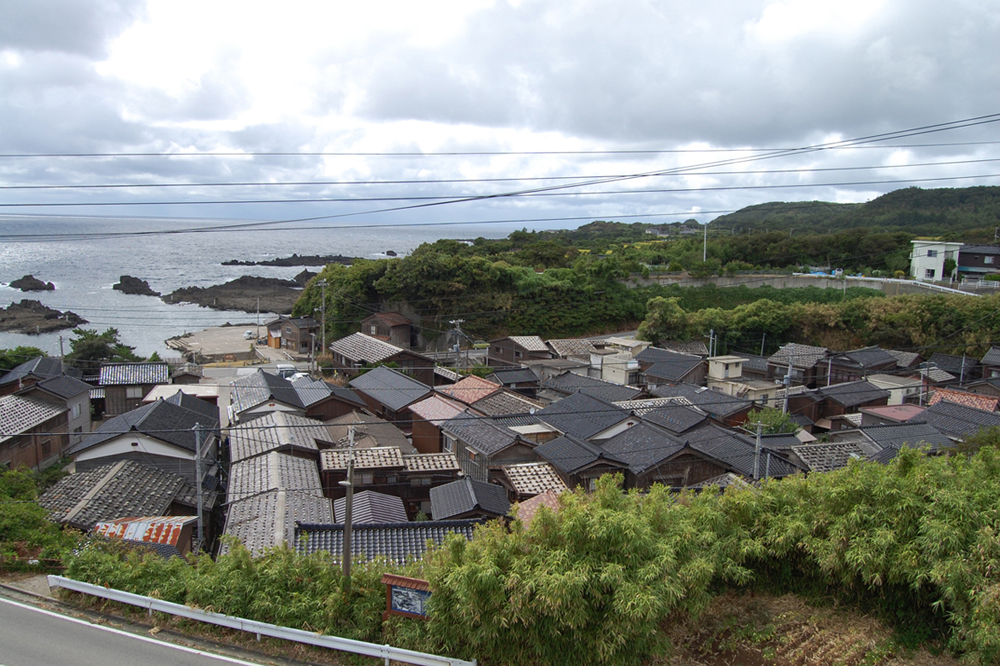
[32,317]
[131,285]
[241,294]
[31,283]
[296,260]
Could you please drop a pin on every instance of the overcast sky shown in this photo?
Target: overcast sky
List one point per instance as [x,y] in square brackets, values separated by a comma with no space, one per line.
[678,79]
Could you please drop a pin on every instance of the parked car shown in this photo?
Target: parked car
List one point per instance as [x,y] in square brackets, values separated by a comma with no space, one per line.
[248,335]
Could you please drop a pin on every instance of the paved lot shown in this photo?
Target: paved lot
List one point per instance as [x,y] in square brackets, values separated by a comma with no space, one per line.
[220,340]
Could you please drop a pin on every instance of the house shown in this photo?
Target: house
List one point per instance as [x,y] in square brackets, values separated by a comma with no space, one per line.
[502,404]
[126,384]
[391,327]
[516,349]
[468,498]
[737,453]
[369,432]
[725,375]
[526,480]
[905,360]
[160,435]
[649,452]
[527,510]
[293,334]
[963,368]
[586,417]
[269,519]
[890,438]
[388,393]
[983,402]
[851,366]
[428,415]
[991,363]
[726,409]
[260,393]
[572,348]
[400,543]
[33,432]
[754,367]
[68,392]
[674,417]
[469,389]
[848,398]
[959,421]
[990,387]
[927,257]
[323,400]
[187,374]
[285,432]
[889,414]
[830,456]
[483,446]
[369,507]
[566,384]
[578,462]
[617,367]
[207,392]
[804,361]
[901,389]
[659,367]
[356,352]
[521,380]
[547,368]
[975,261]
[33,371]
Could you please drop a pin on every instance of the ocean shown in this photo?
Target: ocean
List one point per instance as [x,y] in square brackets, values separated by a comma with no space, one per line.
[84,256]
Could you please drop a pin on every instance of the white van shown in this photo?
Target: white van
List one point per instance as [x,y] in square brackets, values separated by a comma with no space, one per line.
[285,370]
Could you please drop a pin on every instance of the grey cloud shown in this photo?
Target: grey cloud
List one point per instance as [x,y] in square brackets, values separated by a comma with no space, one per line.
[81,27]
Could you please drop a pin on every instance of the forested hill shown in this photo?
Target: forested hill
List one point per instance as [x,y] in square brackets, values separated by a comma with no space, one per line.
[937,212]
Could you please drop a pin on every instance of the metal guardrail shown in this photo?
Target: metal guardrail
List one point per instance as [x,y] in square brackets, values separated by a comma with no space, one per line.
[386,652]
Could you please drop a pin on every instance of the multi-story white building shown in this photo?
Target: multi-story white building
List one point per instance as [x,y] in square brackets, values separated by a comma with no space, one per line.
[928,256]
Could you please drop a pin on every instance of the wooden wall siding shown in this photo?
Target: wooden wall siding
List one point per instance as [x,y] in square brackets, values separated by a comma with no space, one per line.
[36,448]
[426,436]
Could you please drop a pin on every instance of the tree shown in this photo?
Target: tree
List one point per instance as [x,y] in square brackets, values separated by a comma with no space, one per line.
[665,320]
[11,358]
[775,421]
[90,348]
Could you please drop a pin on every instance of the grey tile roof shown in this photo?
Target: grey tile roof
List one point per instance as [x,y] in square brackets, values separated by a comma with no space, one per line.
[780,442]
[643,446]
[675,417]
[430,462]
[695,347]
[851,394]
[64,386]
[274,471]
[953,364]
[268,520]
[570,454]
[913,435]
[673,368]
[803,356]
[864,358]
[505,403]
[380,457]
[958,420]
[992,357]
[113,491]
[369,507]
[364,348]
[132,374]
[829,456]
[445,373]
[530,342]
[753,362]
[980,249]
[533,478]
[465,495]
[480,433]
[390,387]
[276,431]
[41,367]
[565,348]
[398,542]
[722,481]
[569,383]
[260,387]
[369,431]
[737,451]
[582,415]
[312,391]
[715,403]
[19,413]
[657,355]
[161,420]
[510,376]
[904,359]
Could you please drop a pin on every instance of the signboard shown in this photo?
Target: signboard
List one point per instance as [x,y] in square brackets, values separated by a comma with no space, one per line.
[406,596]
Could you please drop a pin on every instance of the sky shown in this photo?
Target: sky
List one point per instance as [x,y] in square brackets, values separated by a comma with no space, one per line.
[471,111]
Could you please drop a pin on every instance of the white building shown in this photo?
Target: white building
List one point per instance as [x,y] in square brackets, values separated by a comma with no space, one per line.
[928,256]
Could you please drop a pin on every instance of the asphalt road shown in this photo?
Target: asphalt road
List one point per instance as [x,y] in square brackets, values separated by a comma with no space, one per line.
[31,636]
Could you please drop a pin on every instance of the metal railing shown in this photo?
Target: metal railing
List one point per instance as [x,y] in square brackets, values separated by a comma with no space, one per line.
[386,652]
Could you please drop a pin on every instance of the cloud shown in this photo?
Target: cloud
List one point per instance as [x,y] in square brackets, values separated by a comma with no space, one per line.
[66,26]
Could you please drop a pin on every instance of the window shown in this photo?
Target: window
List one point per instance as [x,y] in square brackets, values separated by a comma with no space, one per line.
[373,330]
[76,410]
[47,447]
[366,479]
[987,260]
[133,392]
[449,444]
[929,273]
[932,253]
[517,354]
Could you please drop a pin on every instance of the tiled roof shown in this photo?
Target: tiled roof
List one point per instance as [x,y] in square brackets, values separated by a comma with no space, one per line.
[696,347]
[992,357]
[64,386]
[391,318]
[42,367]
[19,413]
[582,415]
[723,481]
[390,387]
[569,383]
[830,456]
[381,457]
[851,394]
[530,342]
[509,376]
[657,355]
[312,391]
[480,433]
[980,249]
[268,520]
[369,507]
[445,373]
[363,348]
[643,446]
[671,367]
[865,358]
[118,490]
[533,478]
[958,420]
[716,403]
[571,454]
[566,348]
[983,402]
[276,431]
[896,413]
[274,471]
[753,362]
[528,509]
[505,403]
[132,374]
[436,409]
[254,389]
[938,375]
[675,417]
[465,495]
[904,359]
[643,406]
[953,364]
[913,435]
[470,389]
[737,451]
[369,431]
[397,542]
[803,356]
[431,462]
[162,420]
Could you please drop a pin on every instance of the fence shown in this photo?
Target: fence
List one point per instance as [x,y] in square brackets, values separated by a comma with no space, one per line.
[386,652]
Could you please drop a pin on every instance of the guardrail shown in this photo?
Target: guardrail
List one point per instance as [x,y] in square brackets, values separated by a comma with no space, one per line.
[386,652]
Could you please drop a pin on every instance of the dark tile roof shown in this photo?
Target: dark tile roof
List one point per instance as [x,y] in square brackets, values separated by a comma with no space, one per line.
[643,446]
[390,387]
[41,367]
[312,391]
[162,420]
[132,374]
[509,376]
[863,359]
[780,442]
[255,389]
[851,394]
[369,507]
[913,435]
[953,364]
[269,519]
[753,362]
[672,368]
[195,404]
[465,495]
[716,403]
[397,542]
[64,386]
[737,451]
[505,403]
[582,415]
[958,420]
[113,491]
[829,456]
[675,417]
[904,359]
[992,357]
[569,383]
[570,454]
[657,355]
[979,249]
[390,318]
[479,432]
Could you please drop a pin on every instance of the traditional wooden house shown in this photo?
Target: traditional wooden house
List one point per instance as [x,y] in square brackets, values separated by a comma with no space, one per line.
[358,351]
[293,334]
[33,371]
[33,432]
[126,384]
[515,349]
[468,498]
[482,447]
[391,327]
[68,392]
[389,393]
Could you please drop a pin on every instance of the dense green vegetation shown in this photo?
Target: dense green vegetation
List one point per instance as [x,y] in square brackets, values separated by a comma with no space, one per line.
[915,541]
[89,348]
[11,358]
[25,532]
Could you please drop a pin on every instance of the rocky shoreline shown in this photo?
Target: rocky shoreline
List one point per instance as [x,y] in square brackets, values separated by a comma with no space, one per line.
[31,283]
[33,318]
[242,294]
[132,285]
[296,260]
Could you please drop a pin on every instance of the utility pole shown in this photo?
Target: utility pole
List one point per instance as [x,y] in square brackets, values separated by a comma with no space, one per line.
[763,337]
[197,485]
[788,377]
[62,355]
[258,321]
[704,251]
[457,323]
[348,509]
[756,453]
[322,284]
